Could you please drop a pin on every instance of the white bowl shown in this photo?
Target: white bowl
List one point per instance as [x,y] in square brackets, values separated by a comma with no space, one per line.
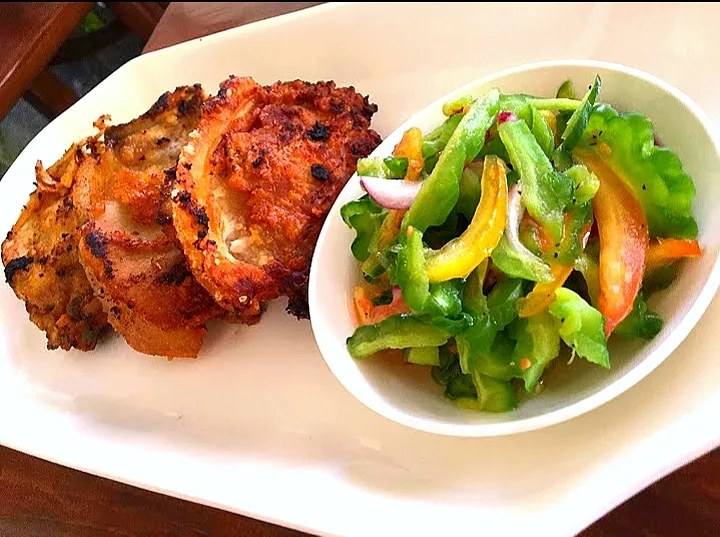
[407,394]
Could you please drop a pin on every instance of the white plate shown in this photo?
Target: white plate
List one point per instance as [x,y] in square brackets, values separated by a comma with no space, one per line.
[258,425]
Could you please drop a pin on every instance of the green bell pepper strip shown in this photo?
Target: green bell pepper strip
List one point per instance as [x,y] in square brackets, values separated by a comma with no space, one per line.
[436,141]
[397,166]
[498,363]
[440,303]
[410,273]
[365,217]
[386,168]
[469,193]
[424,356]
[515,103]
[502,299]
[395,332]
[489,320]
[449,375]
[577,222]
[566,91]
[518,264]
[460,387]
[383,237]
[642,321]
[659,278]
[492,395]
[545,192]
[586,184]
[440,191]
[538,344]
[542,131]
[580,326]
[444,299]
[562,160]
[451,108]
[559,104]
[579,120]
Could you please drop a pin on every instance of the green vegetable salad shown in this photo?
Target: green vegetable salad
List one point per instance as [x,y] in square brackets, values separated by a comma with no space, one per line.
[520,230]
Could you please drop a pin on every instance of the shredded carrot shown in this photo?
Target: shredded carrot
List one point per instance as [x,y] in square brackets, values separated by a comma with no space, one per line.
[525,364]
[363,305]
[396,307]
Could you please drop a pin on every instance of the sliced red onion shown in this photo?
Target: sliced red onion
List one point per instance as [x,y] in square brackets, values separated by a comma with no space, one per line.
[515,212]
[397,293]
[533,265]
[504,116]
[391,193]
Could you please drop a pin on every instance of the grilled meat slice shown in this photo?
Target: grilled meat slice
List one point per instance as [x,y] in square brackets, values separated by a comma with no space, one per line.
[256,181]
[135,268]
[40,255]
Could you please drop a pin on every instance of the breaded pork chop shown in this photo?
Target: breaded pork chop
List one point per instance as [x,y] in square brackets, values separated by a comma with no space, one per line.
[40,255]
[150,296]
[256,181]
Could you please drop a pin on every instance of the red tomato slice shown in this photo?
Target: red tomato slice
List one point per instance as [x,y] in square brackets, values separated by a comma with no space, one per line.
[623,231]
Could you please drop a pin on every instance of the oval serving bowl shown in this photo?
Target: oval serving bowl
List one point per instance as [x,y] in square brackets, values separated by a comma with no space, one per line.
[407,394]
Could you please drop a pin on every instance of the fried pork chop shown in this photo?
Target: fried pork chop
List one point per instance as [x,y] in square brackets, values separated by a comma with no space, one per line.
[125,240]
[256,181]
[40,255]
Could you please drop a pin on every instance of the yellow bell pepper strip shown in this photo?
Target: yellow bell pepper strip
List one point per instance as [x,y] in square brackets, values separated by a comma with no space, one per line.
[543,293]
[664,251]
[461,255]
[623,231]
[410,147]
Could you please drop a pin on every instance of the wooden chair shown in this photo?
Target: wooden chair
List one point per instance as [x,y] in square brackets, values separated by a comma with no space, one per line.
[32,33]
